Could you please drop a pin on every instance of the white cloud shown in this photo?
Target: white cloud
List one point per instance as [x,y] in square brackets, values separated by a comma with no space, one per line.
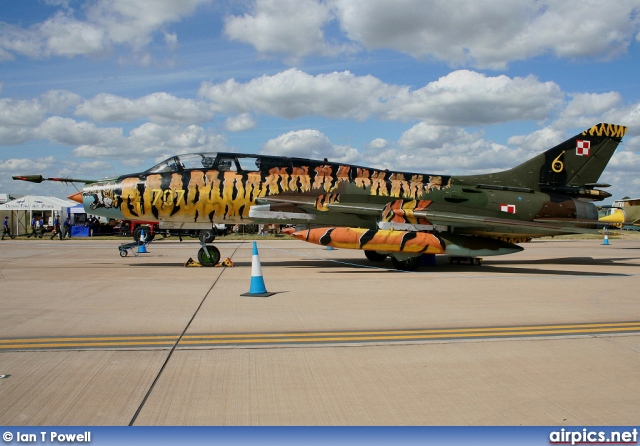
[540,140]
[477,156]
[628,115]
[190,137]
[310,144]
[68,37]
[171,39]
[491,34]
[625,161]
[21,113]
[95,166]
[70,132]
[377,144]
[152,140]
[293,93]
[85,170]
[586,109]
[24,120]
[462,33]
[10,136]
[240,123]
[60,35]
[460,98]
[427,136]
[107,23]
[292,27]
[134,23]
[135,162]
[14,165]
[469,98]
[59,101]
[157,107]
[28,114]
[622,170]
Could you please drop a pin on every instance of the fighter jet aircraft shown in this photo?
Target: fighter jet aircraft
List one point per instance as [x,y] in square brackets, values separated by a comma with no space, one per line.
[385,213]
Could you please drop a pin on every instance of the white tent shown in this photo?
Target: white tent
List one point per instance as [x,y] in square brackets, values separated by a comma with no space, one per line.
[35,203]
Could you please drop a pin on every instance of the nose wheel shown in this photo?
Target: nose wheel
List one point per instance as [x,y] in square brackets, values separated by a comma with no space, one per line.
[208,255]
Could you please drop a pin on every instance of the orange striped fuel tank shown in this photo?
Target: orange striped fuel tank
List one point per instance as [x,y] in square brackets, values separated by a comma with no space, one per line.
[371,239]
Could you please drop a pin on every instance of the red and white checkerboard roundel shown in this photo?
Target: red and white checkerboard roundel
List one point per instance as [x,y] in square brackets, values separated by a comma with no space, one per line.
[510,208]
[583,148]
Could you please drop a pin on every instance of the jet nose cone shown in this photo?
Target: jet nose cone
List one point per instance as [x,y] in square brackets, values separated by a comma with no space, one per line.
[77,197]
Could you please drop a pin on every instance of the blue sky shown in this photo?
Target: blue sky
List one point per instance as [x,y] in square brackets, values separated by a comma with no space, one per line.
[98,88]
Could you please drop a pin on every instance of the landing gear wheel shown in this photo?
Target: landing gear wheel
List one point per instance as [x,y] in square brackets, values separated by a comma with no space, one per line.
[206,236]
[375,256]
[410,264]
[208,256]
[123,253]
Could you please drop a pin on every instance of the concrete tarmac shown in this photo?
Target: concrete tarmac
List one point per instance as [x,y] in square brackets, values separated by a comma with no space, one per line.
[535,338]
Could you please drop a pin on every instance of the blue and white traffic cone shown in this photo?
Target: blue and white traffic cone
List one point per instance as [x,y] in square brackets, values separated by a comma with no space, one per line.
[141,248]
[606,239]
[257,288]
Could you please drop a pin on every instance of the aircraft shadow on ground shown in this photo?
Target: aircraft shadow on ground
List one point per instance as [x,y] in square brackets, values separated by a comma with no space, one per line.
[360,266]
[616,261]
[511,266]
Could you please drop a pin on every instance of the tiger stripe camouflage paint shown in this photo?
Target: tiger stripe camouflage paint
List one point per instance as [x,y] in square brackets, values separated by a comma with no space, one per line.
[372,239]
[202,196]
[405,242]
[402,211]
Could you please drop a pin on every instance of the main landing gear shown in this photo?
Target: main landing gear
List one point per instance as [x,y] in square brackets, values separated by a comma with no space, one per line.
[402,263]
[410,264]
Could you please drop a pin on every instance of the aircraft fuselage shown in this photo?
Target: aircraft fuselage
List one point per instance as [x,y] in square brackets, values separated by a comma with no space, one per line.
[225,192]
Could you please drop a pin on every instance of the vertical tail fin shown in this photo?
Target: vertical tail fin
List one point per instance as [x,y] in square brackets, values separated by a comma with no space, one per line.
[572,167]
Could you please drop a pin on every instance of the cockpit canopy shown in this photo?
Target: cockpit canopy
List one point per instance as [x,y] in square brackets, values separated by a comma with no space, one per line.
[224,162]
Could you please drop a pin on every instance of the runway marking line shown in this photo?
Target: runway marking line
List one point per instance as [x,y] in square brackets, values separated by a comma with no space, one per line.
[80,342]
[306,338]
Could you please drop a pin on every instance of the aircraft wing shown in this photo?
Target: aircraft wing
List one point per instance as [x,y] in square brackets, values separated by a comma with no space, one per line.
[541,226]
[458,220]
[552,226]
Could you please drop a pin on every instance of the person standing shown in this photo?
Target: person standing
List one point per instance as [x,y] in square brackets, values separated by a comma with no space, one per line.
[41,226]
[6,229]
[67,228]
[34,222]
[95,226]
[56,228]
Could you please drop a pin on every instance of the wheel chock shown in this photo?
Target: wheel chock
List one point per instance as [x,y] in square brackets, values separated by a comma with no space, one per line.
[191,262]
[226,263]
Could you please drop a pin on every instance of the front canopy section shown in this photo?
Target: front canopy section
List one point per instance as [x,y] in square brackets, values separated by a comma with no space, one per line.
[224,162]
[179,163]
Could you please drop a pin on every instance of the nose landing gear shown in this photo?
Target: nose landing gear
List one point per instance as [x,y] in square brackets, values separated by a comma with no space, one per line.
[208,255]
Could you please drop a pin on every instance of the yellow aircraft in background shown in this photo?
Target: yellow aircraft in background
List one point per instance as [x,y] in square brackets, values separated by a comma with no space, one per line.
[624,212]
